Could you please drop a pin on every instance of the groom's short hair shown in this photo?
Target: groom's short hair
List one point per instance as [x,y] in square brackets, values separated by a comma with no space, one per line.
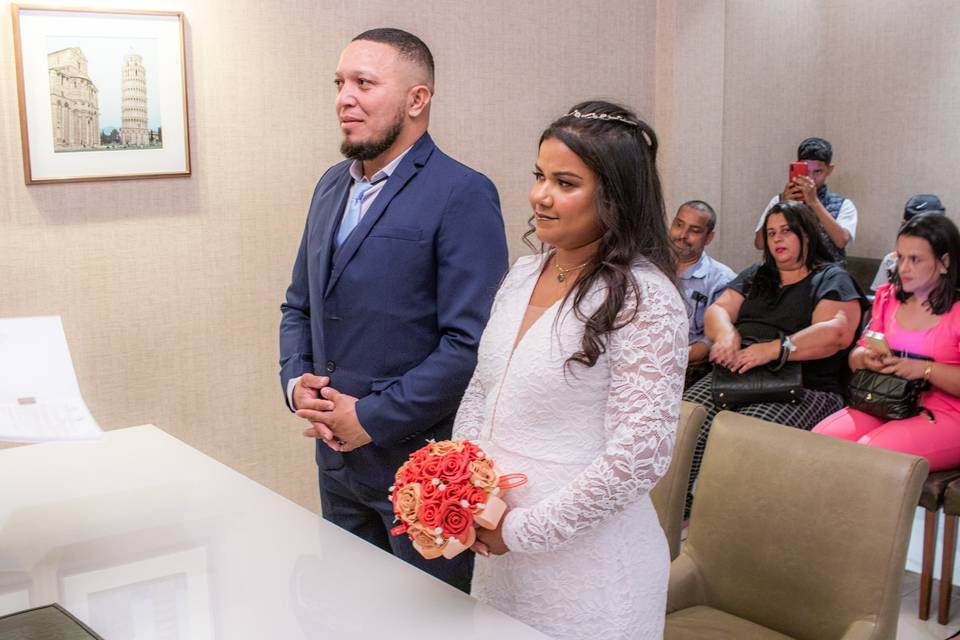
[410,47]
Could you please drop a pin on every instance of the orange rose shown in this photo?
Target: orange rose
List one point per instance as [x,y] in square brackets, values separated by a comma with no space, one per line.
[474,496]
[482,474]
[429,514]
[426,539]
[430,491]
[455,467]
[406,502]
[444,447]
[454,491]
[455,519]
[475,452]
[431,467]
[420,454]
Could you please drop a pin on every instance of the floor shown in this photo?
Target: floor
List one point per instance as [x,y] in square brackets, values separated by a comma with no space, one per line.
[913,628]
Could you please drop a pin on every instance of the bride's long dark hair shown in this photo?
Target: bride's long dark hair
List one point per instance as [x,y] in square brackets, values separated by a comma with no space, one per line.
[621,150]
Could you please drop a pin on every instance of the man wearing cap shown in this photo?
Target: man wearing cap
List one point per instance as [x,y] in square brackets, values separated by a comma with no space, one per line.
[836,214]
[920,204]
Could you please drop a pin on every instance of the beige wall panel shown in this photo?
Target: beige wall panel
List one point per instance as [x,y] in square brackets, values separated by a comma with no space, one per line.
[773,51]
[170,289]
[893,109]
[880,80]
[689,107]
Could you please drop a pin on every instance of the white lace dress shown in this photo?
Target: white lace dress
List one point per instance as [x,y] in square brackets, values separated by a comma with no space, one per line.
[587,558]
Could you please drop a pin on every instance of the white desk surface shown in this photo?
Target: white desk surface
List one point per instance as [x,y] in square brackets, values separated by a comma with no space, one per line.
[145,538]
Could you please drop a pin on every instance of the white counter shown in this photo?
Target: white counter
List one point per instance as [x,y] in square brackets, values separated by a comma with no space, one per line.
[144,538]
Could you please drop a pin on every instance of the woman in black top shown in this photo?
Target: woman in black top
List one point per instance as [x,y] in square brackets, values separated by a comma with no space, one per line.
[795,304]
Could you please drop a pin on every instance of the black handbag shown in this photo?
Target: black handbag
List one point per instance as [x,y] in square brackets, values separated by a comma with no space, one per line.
[760,384]
[767,383]
[884,395]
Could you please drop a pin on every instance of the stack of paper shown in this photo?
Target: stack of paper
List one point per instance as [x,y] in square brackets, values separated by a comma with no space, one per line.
[40,399]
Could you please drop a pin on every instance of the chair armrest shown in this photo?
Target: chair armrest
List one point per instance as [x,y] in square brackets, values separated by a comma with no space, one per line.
[860,630]
[686,587]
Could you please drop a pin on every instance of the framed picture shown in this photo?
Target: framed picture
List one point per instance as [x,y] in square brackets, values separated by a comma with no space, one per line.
[102,94]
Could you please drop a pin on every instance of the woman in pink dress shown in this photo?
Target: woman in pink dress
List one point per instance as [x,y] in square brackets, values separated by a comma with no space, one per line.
[919,315]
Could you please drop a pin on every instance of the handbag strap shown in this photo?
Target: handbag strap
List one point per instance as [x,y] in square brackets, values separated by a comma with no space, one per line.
[900,353]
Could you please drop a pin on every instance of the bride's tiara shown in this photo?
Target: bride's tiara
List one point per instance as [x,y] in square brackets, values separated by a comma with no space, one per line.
[600,116]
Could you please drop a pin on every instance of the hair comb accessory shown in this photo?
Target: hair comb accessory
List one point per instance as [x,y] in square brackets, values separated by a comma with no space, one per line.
[600,116]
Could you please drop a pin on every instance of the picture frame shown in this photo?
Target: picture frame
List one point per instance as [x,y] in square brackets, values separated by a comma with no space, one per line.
[102,94]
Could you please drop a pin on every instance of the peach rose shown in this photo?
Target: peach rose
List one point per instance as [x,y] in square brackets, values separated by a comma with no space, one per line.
[406,502]
[425,538]
[482,474]
[401,475]
[444,447]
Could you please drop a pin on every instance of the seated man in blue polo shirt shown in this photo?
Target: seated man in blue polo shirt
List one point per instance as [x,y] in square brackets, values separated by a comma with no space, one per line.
[702,278]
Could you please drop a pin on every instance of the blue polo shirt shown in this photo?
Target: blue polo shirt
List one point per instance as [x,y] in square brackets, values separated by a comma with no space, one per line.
[701,285]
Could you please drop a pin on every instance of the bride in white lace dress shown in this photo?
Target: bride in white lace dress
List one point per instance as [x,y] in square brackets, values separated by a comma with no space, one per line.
[581,392]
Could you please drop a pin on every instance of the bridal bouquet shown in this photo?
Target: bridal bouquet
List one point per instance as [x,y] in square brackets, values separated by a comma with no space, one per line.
[442,491]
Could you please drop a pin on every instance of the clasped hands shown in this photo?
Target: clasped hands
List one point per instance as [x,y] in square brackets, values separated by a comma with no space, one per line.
[909,368]
[332,415]
[728,353]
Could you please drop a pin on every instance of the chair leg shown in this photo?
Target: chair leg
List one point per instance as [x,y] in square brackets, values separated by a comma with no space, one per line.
[946,569]
[930,519]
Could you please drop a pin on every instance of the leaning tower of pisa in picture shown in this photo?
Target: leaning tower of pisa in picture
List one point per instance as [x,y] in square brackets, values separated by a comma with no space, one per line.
[134,106]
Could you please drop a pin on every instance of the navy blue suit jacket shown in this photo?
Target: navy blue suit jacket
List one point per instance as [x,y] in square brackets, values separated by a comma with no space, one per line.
[394,316]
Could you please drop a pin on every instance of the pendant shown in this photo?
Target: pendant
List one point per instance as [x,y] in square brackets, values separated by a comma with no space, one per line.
[561,277]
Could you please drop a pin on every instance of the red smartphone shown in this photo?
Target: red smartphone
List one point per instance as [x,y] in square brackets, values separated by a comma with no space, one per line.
[799,169]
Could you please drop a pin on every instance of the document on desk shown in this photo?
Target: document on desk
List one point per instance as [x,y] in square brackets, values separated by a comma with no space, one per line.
[40,398]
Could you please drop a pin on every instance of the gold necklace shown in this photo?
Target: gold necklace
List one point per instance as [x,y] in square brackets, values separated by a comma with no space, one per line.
[562,273]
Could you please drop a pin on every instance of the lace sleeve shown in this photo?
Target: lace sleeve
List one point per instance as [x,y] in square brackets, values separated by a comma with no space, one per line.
[469,421]
[647,359]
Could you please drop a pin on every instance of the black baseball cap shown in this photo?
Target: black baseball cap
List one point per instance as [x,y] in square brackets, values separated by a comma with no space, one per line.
[923,203]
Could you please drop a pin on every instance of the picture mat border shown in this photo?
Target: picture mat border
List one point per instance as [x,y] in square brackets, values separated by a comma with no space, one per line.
[41,165]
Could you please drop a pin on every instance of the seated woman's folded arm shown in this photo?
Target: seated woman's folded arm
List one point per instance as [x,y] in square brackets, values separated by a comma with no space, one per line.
[832,329]
[718,322]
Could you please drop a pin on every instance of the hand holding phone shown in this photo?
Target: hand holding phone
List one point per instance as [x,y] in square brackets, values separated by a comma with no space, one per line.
[877,342]
[800,168]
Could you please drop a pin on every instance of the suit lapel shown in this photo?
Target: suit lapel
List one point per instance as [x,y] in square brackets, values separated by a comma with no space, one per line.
[322,241]
[407,168]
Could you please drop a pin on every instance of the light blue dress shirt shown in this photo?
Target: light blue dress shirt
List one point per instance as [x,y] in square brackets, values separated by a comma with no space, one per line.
[701,285]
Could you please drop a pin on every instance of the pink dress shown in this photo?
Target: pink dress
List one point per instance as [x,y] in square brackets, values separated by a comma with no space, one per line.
[939,440]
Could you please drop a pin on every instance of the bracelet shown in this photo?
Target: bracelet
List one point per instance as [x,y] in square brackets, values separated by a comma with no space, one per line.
[781,358]
[927,372]
[784,355]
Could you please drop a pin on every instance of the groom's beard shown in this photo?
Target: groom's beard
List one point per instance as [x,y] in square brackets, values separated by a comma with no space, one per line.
[372,148]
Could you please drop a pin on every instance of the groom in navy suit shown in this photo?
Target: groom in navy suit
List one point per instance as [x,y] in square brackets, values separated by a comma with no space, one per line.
[402,254]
